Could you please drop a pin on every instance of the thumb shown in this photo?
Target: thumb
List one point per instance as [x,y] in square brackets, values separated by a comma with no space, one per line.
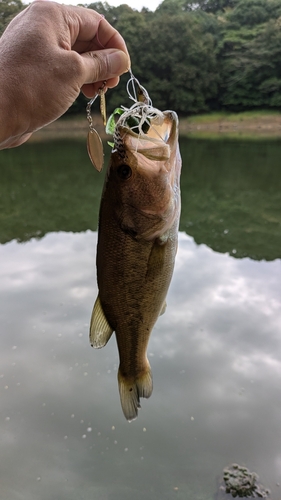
[104,64]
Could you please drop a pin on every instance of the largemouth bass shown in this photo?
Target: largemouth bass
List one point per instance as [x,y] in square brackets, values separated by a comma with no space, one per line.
[137,243]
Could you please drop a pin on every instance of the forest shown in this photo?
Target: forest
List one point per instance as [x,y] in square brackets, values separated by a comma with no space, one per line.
[196,56]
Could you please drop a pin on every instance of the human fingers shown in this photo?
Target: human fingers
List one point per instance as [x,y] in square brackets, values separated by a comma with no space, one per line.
[15,141]
[91,31]
[109,37]
[91,89]
[102,65]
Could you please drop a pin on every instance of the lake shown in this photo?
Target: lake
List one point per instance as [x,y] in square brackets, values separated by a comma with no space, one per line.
[215,353]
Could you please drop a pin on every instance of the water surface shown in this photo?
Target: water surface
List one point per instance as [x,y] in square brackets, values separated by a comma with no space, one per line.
[215,353]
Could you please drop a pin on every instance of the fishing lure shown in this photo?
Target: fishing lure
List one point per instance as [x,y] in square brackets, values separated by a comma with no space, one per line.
[137,118]
[94,142]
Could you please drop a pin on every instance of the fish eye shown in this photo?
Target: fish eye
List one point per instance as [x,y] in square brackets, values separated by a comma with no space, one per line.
[124,172]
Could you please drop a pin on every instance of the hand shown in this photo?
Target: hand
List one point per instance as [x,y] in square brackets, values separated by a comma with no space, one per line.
[48,53]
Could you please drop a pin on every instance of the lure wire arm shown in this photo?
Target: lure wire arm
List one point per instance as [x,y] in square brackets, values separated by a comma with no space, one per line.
[88,112]
[101,94]
[133,81]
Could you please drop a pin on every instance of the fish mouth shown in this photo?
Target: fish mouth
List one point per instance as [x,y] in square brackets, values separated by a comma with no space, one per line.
[151,199]
[154,144]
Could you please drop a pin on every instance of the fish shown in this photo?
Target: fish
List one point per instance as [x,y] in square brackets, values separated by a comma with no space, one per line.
[137,243]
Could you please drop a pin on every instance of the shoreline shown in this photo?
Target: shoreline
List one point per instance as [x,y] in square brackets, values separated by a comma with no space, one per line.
[246,124]
[240,125]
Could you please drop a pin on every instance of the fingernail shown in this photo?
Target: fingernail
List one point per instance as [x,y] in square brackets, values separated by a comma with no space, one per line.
[117,62]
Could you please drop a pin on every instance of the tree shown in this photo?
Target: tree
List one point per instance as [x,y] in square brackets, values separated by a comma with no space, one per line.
[179,63]
[8,10]
[249,13]
[217,6]
[173,56]
[112,14]
[249,56]
[195,55]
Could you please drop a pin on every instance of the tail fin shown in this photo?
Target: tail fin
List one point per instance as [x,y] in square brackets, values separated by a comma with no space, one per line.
[132,390]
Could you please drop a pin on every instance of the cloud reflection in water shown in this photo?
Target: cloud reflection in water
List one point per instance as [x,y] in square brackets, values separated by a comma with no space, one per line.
[216,360]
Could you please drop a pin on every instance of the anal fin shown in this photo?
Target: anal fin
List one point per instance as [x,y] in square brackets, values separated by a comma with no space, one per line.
[100,329]
[163,308]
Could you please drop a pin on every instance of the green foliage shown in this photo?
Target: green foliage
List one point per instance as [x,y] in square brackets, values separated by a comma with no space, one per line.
[217,6]
[172,7]
[199,56]
[196,56]
[249,12]
[172,53]
[8,10]
[183,75]
[249,54]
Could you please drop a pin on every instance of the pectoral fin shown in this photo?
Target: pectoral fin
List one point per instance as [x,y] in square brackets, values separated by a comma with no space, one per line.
[100,329]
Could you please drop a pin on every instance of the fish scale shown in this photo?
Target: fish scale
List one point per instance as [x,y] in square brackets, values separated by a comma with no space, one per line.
[137,244]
